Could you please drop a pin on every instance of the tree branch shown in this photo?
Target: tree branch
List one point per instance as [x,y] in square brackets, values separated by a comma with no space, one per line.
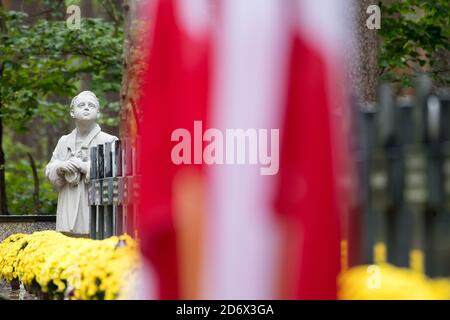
[37,203]
[60,2]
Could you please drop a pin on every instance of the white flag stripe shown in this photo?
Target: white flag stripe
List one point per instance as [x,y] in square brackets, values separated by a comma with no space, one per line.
[251,53]
[194,16]
[323,23]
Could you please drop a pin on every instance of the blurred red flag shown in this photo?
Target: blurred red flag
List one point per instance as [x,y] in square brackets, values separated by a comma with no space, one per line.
[315,158]
[174,93]
[226,68]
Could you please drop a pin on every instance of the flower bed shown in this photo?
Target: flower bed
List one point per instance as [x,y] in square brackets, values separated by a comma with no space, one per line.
[387,282]
[55,266]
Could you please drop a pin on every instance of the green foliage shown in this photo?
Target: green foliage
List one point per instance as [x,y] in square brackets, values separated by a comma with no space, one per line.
[19,181]
[413,32]
[41,67]
[46,60]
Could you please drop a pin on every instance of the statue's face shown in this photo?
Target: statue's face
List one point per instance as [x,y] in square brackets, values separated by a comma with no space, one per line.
[85,110]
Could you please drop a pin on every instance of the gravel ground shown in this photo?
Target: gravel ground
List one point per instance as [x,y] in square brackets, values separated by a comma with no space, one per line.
[7,294]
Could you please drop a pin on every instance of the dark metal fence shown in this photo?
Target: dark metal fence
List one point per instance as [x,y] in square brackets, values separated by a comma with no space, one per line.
[113,189]
[404,160]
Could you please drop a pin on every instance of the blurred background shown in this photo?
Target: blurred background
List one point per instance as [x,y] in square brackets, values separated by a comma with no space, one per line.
[358,90]
[43,65]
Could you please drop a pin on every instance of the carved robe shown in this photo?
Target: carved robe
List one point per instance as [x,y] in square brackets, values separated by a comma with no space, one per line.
[72,214]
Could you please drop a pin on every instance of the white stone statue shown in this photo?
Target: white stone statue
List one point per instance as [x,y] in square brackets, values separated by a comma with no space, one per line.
[69,168]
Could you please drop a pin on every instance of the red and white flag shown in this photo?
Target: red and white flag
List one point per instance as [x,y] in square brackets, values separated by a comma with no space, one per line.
[173,94]
[314,170]
[225,231]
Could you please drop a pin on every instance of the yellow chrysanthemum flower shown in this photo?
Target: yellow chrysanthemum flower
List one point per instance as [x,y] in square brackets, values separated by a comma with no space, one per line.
[387,282]
[59,265]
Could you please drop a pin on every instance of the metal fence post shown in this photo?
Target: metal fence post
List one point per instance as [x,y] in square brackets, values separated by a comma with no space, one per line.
[367,134]
[117,187]
[92,206]
[101,174]
[107,191]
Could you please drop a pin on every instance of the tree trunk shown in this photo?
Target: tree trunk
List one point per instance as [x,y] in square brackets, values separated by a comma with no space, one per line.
[86,12]
[36,201]
[127,44]
[363,58]
[3,206]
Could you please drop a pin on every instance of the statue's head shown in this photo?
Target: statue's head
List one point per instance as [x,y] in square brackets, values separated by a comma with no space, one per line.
[85,106]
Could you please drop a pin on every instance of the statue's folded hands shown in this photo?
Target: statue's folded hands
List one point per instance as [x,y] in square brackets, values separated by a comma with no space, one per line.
[66,167]
[80,165]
